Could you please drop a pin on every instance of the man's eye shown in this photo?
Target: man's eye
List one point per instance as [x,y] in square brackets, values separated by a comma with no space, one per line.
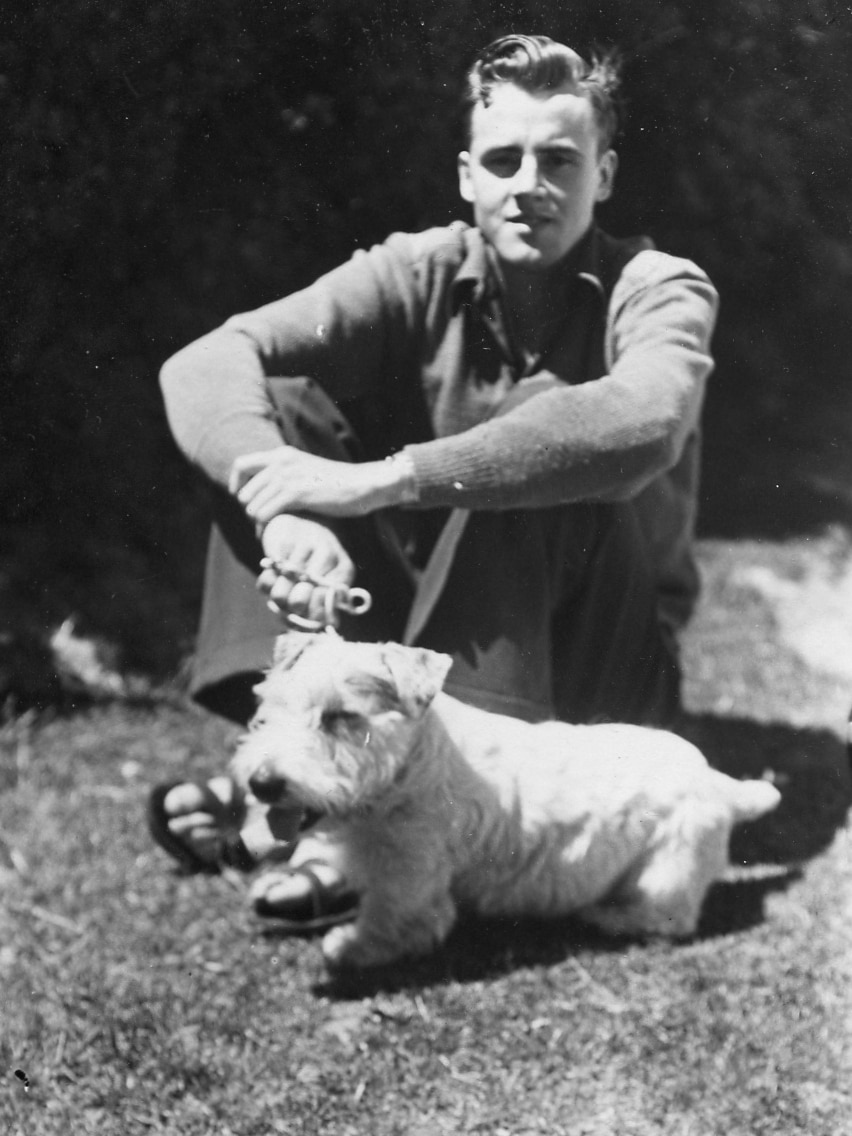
[502,165]
[558,163]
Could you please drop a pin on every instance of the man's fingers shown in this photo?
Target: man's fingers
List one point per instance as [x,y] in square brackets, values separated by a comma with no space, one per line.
[327,564]
[279,591]
[244,469]
[250,473]
[303,600]
[297,546]
[296,599]
[266,581]
[263,512]
[299,599]
[261,498]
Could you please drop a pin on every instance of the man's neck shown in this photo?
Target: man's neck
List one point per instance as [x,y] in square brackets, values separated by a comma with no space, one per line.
[524,285]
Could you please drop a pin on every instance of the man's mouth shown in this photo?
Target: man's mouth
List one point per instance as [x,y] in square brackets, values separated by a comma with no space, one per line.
[531,220]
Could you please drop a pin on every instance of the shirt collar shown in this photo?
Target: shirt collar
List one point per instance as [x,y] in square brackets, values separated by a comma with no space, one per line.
[476,280]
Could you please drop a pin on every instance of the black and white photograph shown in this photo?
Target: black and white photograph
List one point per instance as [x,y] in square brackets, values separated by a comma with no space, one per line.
[426,568]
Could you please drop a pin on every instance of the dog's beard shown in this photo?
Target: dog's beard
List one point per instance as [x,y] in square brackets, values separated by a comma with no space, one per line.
[337,737]
[328,777]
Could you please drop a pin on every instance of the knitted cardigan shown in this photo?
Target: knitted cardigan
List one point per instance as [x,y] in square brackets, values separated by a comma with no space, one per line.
[412,329]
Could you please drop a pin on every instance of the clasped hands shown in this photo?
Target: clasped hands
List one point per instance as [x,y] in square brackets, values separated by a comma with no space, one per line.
[275,486]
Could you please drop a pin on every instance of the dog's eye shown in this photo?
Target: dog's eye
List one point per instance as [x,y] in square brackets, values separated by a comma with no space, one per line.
[335,720]
[346,723]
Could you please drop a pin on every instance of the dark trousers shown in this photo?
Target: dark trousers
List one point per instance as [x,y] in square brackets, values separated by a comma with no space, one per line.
[546,612]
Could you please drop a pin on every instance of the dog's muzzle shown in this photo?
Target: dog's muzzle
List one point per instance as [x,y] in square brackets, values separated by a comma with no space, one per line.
[267,786]
[310,817]
[270,789]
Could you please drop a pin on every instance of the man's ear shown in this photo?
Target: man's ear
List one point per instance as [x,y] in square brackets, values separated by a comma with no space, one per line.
[418,674]
[465,185]
[607,168]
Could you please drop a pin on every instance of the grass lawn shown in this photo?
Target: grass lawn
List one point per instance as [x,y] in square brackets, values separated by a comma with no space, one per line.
[136,1000]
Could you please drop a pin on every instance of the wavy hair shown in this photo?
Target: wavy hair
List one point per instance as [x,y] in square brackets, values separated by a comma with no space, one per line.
[538,63]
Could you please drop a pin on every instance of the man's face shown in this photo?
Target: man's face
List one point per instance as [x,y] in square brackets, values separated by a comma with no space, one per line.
[534,174]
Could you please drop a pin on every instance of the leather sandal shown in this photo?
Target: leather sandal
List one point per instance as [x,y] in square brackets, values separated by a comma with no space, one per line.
[233,852]
[324,906]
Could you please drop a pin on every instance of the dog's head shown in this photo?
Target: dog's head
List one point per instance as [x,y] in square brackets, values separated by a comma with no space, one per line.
[337,722]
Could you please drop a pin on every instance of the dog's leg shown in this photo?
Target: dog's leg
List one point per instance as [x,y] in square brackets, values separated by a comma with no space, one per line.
[365,944]
[664,895]
[406,909]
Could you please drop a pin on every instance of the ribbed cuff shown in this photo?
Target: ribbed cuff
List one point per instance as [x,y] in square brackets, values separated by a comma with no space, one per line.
[453,472]
[404,466]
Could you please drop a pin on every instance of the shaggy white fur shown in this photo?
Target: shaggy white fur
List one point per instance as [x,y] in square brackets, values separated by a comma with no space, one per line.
[429,806]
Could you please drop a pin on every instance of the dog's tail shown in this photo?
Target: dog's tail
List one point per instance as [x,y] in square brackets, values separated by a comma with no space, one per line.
[751,799]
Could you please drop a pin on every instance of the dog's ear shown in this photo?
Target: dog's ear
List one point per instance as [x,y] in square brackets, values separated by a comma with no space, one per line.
[289,647]
[418,674]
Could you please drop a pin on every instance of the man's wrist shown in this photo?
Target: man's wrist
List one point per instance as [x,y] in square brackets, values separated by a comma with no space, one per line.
[397,481]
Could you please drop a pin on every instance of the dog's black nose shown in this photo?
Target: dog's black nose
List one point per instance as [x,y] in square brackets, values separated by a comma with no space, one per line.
[267,786]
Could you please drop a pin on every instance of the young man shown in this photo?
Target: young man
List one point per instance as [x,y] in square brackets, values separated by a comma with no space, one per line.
[537,386]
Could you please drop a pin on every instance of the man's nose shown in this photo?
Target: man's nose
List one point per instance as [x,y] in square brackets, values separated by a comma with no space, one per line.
[527,177]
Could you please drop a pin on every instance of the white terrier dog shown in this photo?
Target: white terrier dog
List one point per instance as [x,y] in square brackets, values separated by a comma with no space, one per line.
[428,805]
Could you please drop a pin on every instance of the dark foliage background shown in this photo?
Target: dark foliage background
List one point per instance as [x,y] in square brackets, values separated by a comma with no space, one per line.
[167,163]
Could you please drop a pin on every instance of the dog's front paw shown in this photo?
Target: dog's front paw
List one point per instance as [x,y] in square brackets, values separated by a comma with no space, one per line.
[345,947]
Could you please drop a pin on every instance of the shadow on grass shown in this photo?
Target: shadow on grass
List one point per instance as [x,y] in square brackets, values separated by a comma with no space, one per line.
[477,950]
[810,767]
[485,949]
[733,906]
[482,950]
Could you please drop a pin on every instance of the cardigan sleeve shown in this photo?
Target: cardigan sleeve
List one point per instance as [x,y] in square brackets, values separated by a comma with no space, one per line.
[341,331]
[602,440]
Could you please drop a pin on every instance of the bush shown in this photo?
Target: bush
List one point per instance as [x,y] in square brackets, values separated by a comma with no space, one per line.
[168,163]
